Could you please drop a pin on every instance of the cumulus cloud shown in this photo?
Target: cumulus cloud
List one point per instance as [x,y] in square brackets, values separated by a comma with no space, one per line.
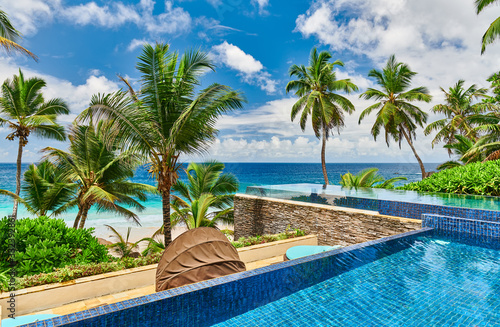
[29,15]
[136,43]
[249,68]
[261,4]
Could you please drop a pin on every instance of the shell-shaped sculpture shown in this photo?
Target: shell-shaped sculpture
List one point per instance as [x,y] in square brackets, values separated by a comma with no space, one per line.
[196,255]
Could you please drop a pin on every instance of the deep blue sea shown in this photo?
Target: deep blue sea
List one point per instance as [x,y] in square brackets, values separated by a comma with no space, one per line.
[247,173]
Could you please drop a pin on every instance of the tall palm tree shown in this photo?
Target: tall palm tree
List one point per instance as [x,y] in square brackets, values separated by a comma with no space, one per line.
[207,198]
[396,114]
[167,117]
[45,190]
[458,109]
[493,30]
[9,36]
[101,173]
[24,110]
[460,147]
[317,87]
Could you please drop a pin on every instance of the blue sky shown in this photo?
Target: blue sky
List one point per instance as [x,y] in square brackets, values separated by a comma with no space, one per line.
[82,45]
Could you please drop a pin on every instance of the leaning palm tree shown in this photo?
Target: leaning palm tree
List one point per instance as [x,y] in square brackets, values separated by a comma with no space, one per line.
[45,190]
[396,114]
[317,87]
[494,30]
[9,36]
[24,110]
[207,198]
[101,172]
[458,110]
[167,117]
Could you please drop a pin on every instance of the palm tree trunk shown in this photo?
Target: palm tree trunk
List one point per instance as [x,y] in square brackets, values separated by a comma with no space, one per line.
[18,178]
[77,219]
[167,230]
[410,143]
[323,161]
[83,218]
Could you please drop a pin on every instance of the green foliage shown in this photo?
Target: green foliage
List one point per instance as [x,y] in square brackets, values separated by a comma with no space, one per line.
[368,178]
[475,178]
[254,240]
[207,198]
[43,244]
[495,88]
[493,30]
[83,270]
[9,36]
[123,247]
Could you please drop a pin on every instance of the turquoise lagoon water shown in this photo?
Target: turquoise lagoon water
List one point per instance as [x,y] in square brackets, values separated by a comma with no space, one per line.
[249,174]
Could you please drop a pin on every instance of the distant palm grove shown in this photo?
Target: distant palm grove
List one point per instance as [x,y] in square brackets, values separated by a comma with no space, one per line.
[169,116]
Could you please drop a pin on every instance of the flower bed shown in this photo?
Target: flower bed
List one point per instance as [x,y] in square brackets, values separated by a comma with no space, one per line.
[254,240]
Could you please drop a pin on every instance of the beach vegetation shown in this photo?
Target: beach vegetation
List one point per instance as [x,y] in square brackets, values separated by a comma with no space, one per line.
[397,117]
[261,239]
[43,244]
[45,190]
[481,178]
[206,199]
[167,117]
[317,88]
[24,111]
[458,109]
[369,178]
[493,30]
[102,174]
[123,248]
[9,36]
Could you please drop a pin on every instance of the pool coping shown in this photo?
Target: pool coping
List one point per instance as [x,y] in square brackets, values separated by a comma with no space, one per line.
[106,309]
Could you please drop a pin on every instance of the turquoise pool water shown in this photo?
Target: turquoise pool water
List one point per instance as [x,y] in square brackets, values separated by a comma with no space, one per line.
[453,200]
[428,281]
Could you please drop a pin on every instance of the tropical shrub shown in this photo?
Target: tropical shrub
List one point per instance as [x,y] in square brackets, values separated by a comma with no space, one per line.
[369,178]
[258,239]
[83,270]
[481,178]
[43,244]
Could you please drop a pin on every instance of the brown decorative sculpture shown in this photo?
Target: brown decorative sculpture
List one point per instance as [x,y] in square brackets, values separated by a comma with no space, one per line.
[199,254]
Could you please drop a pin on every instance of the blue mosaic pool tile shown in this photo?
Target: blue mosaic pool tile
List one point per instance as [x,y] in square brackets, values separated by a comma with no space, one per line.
[487,229]
[416,210]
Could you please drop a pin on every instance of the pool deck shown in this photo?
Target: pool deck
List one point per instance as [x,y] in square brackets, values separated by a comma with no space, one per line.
[131,294]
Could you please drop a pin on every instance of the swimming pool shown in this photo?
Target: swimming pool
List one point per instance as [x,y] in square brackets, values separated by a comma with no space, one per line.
[445,274]
[408,204]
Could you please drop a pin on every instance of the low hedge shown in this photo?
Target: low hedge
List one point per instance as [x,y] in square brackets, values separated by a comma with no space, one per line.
[83,270]
[254,240]
[475,178]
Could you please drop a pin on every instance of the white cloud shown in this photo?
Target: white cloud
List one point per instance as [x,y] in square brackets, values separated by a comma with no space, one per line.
[250,69]
[261,4]
[29,15]
[136,43]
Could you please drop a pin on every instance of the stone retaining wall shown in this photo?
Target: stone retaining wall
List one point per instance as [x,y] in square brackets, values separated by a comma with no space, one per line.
[255,215]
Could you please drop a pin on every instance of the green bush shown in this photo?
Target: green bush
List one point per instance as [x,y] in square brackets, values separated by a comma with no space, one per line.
[254,240]
[474,178]
[83,270]
[42,244]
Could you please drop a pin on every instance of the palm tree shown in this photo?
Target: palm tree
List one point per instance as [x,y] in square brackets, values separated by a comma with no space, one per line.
[316,87]
[458,109]
[167,117]
[368,178]
[9,35]
[396,115]
[123,247]
[207,198]
[494,30]
[101,173]
[45,190]
[24,110]
[460,147]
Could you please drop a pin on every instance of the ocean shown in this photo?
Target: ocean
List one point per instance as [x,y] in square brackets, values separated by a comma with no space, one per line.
[247,173]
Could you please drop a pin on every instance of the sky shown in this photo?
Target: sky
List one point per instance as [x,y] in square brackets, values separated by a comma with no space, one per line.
[83,45]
